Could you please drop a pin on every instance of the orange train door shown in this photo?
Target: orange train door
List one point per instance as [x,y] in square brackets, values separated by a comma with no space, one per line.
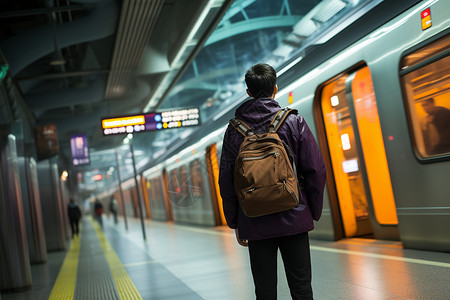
[145,183]
[167,203]
[213,176]
[357,157]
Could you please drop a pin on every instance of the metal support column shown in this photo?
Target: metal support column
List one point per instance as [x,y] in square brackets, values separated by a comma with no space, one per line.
[121,191]
[137,189]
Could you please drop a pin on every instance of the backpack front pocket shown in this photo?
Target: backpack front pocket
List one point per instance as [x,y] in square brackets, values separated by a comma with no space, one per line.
[259,201]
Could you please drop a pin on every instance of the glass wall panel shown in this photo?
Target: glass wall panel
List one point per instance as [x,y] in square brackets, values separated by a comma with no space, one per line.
[198,189]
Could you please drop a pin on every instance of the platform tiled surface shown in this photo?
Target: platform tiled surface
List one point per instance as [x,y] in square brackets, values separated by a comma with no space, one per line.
[185,262]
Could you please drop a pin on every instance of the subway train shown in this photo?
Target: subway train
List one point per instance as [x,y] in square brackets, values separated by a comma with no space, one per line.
[364,95]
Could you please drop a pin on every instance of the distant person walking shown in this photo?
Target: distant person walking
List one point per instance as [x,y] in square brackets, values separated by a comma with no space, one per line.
[98,211]
[74,213]
[113,208]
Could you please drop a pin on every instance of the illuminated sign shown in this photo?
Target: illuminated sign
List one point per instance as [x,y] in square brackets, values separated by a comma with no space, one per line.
[291,98]
[345,141]
[122,122]
[334,100]
[350,166]
[426,18]
[151,121]
[98,177]
[80,150]
[3,71]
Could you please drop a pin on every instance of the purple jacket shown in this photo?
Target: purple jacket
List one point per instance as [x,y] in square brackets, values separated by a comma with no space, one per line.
[295,132]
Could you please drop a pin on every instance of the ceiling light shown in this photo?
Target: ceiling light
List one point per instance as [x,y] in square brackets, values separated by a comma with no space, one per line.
[57,59]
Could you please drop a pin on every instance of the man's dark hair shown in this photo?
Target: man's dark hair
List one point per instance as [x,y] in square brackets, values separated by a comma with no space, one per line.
[261,80]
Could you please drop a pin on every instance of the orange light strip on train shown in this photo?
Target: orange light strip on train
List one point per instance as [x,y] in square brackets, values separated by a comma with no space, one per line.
[125,121]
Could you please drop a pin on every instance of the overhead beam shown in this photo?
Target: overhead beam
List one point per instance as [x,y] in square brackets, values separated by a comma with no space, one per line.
[137,20]
[252,25]
[39,11]
[62,75]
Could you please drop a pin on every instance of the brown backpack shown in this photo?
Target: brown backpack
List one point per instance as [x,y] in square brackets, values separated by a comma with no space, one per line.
[265,179]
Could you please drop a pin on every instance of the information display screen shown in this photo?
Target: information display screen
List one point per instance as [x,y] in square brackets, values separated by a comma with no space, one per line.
[151,121]
[80,150]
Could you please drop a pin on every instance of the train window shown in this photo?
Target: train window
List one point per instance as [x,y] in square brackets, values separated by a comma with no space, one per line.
[155,188]
[184,181]
[151,188]
[175,189]
[196,178]
[425,76]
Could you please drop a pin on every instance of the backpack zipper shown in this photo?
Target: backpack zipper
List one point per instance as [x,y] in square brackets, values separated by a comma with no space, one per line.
[284,188]
[256,188]
[274,153]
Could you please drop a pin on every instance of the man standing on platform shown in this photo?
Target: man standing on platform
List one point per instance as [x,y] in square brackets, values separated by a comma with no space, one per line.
[74,213]
[286,230]
[98,211]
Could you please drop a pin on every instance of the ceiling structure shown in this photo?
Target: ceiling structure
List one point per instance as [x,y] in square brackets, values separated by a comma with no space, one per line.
[78,61]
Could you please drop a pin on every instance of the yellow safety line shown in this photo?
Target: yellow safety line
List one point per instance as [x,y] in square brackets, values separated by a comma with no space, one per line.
[64,287]
[125,287]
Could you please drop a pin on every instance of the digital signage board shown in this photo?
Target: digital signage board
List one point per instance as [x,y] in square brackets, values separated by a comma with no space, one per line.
[80,150]
[151,121]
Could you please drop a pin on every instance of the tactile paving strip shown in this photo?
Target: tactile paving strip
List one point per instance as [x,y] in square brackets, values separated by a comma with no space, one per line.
[94,279]
[125,286]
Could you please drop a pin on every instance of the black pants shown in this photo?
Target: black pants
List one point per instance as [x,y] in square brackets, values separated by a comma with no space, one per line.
[74,226]
[297,265]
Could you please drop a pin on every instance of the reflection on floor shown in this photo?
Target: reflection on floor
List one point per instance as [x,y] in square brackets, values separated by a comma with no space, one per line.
[184,262]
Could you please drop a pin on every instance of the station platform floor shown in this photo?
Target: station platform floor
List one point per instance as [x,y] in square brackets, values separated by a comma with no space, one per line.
[185,262]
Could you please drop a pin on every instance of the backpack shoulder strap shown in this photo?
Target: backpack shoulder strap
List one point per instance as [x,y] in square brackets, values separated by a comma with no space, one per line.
[240,126]
[279,118]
